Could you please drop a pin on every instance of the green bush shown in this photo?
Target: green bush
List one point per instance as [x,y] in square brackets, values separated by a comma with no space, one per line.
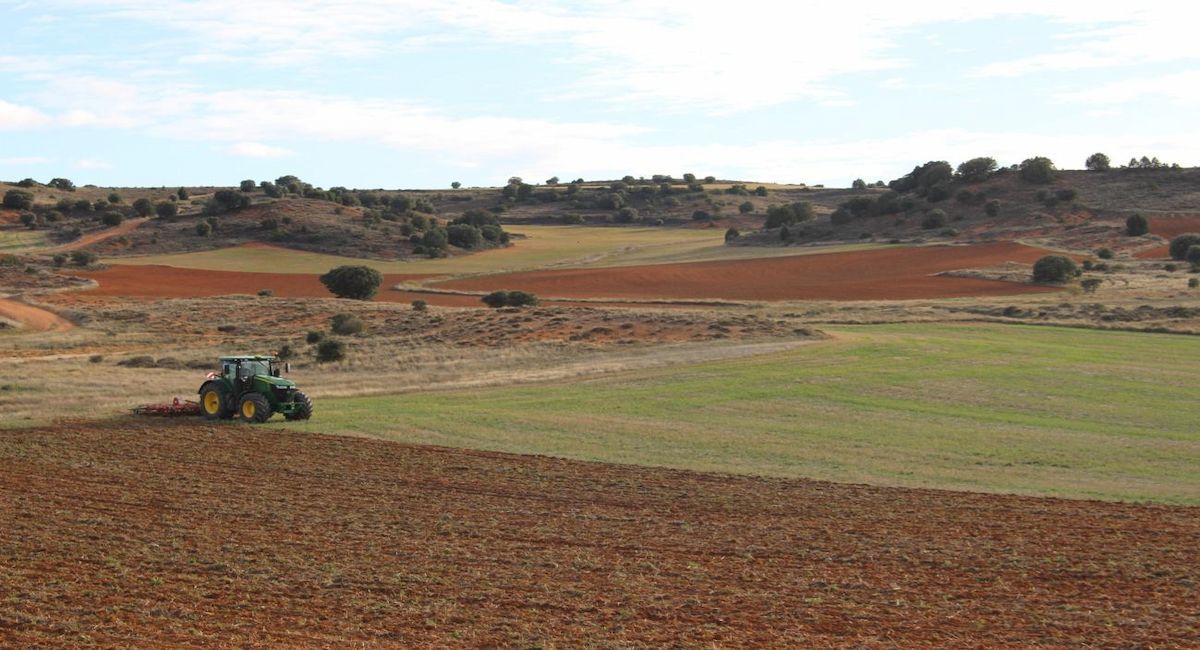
[354,282]
[1054,268]
[463,235]
[497,299]
[143,207]
[1193,256]
[331,350]
[1098,162]
[247,186]
[1039,170]
[627,215]
[781,215]
[265,293]
[1090,284]
[732,234]
[83,258]
[934,219]
[204,229]
[314,336]
[1136,225]
[27,182]
[18,200]
[976,170]
[166,209]
[114,198]
[1193,283]
[112,218]
[59,259]
[346,324]
[62,184]
[1105,253]
[420,305]
[1180,245]
[183,194]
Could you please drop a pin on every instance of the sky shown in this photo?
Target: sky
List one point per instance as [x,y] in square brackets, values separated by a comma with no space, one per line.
[417,94]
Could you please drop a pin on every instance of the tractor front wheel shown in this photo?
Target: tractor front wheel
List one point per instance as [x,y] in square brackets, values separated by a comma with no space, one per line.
[304,407]
[213,403]
[254,408]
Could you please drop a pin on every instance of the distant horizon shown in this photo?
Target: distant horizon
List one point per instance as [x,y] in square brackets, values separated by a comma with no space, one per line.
[418,94]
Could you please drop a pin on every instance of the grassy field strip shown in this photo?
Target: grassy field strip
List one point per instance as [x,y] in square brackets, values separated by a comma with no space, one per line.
[545,247]
[15,241]
[1030,410]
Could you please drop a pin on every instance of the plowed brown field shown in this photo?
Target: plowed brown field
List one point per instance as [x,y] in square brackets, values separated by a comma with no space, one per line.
[1169,227]
[171,282]
[168,534]
[883,274]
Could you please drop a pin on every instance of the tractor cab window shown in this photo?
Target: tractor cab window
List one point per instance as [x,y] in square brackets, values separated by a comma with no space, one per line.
[251,368]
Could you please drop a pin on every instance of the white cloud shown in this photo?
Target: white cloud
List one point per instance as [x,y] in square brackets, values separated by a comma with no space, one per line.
[14,116]
[258,150]
[1183,87]
[92,164]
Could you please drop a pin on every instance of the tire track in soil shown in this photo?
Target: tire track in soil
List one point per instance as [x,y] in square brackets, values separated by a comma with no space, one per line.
[181,533]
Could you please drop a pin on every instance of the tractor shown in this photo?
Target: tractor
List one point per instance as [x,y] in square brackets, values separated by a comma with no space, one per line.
[251,388]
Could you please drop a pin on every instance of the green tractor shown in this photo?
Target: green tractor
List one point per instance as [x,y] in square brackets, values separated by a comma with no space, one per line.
[251,388]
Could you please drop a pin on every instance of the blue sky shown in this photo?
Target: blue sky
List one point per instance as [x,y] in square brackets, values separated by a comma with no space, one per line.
[410,93]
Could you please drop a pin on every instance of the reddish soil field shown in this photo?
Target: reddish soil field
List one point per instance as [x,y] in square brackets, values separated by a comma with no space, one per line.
[884,274]
[1168,227]
[161,533]
[171,282]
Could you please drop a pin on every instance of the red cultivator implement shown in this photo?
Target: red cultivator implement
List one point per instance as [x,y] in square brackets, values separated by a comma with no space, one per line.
[176,408]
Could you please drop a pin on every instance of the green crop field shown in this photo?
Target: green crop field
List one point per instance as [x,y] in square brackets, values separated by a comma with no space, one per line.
[15,241]
[1046,411]
[543,246]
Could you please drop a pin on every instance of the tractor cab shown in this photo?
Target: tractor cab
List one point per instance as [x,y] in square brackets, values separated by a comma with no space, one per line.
[252,388]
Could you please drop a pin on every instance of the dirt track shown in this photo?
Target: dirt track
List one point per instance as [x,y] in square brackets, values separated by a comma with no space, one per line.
[164,534]
[33,318]
[1168,227]
[882,274]
[124,228]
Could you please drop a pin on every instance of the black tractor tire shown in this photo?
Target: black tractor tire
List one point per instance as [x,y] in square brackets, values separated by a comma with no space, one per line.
[218,407]
[304,407]
[254,408]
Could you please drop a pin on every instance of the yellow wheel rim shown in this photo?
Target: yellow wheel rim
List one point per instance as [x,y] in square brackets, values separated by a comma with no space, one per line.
[247,409]
[212,401]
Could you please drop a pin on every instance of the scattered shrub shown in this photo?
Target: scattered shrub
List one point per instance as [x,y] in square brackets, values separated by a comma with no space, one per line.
[314,337]
[112,218]
[247,186]
[1180,245]
[346,324]
[497,299]
[463,235]
[1098,162]
[790,213]
[992,208]
[420,305]
[934,219]
[143,207]
[1193,256]
[63,184]
[1039,170]
[976,170]
[204,229]
[59,259]
[627,215]
[354,282]
[1105,253]
[83,258]
[1054,268]
[183,194]
[18,200]
[1090,284]
[331,350]
[266,293]
[1193,283]
[1066,194]
[1136,225]
[166,209]
[732,234]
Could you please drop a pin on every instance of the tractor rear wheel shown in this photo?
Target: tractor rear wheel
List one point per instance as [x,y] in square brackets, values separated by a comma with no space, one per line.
[254,408]
[304,407]
[213,402]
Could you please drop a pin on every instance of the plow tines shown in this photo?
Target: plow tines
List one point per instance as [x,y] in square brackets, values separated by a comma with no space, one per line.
[174,408]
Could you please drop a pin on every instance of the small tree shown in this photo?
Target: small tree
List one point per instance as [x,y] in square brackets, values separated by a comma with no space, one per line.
[143,207]
[463,235]
[354,282]
[112,218]
[732,234]
[1136,225]
[456,185]
[331,350]
[976,170]
[934,219]
[346,324]
[1098,162]
[1180,245]
[746,207]
[182,193]
[18,200]
[1039,170]
[27,182]
[83,258]
[114,198]
[1054,268]
[247,185]
[859,184]
[62,184]
[166,209]
[1193,256]
[29,220]
[204,229]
